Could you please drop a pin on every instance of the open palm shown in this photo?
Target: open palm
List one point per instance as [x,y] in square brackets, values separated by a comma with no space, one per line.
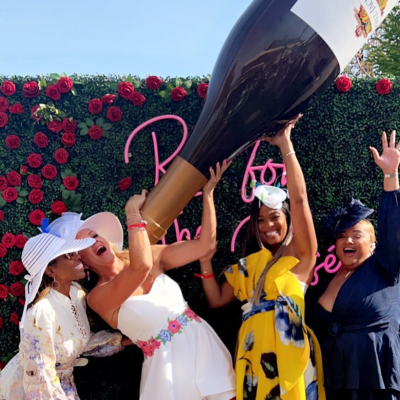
[389,160]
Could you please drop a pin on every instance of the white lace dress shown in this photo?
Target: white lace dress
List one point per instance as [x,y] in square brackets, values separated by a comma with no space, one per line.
[184,358]
[56,332]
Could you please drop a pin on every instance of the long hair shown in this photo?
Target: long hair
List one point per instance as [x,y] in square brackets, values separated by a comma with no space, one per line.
[253,243]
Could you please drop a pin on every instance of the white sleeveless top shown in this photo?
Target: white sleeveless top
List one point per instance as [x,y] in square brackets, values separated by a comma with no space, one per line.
[184,358]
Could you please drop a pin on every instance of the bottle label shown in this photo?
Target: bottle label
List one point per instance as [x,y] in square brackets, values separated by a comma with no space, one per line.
[345,25]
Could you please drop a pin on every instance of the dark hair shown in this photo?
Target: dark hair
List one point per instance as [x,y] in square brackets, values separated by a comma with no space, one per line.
[253,242]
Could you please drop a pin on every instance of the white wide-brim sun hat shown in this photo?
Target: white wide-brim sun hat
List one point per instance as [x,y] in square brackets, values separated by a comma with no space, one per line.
[105,224]
[38,252]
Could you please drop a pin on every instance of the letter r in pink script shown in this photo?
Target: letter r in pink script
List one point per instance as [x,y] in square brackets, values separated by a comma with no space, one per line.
[159,166]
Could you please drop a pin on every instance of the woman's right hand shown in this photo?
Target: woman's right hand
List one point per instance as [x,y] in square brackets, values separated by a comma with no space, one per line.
[135,203]
[389,160]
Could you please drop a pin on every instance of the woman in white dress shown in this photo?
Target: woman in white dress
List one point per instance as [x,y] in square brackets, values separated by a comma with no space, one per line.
[54,327]
[184,358]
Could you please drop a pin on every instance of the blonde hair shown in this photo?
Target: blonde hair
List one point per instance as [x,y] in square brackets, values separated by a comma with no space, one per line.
[123,255]
[370,229]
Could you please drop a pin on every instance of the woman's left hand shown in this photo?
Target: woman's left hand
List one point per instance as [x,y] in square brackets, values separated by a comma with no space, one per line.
[216,176]
[389,160]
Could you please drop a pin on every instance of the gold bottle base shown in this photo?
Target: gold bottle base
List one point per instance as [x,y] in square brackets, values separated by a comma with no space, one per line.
[173,192]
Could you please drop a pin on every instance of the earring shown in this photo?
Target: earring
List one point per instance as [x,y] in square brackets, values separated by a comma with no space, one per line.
[88,275]
[55,284]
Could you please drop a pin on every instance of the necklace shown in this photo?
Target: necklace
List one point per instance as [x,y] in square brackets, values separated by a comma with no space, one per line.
[348,274]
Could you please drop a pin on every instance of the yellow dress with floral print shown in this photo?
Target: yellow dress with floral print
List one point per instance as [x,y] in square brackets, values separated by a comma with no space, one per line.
[278,356]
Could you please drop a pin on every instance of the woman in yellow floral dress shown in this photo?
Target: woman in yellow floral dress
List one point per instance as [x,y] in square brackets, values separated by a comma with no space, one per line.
[277,356]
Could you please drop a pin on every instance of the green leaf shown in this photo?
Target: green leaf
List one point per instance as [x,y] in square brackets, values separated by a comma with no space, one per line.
[187,84]
[64,174]
[137,83]
[89,122]
[188,92]
[20,200]
[65,194]
[82,125]
[169,86]
[13,299]
[84,131]
[129,78]
[99,122]
[178,82]
[62,187]
[107,126]
[106,134]
[55,76]
[114,86]
[17,188]
[74,91]
[42,83]
[23,193]
[163,93]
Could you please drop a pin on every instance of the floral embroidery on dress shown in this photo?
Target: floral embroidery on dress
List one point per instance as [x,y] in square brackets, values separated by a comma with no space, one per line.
[174,327]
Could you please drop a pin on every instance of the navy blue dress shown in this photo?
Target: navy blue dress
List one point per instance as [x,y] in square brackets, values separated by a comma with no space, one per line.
[360,337]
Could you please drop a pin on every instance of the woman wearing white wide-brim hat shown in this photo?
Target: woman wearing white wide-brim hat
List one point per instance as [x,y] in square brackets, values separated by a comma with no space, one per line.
[54,327]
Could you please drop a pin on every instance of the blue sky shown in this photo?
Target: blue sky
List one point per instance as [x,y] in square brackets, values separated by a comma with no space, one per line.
[146,37]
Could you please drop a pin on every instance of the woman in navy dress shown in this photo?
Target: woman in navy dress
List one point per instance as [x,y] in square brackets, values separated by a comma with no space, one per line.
[357,317]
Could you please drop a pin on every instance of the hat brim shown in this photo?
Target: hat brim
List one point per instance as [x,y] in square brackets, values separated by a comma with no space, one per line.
[108,226]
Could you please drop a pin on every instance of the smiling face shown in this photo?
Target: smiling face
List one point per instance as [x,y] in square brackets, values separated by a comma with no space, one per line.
[97,255]
[354,245]
[66,268]
[272,226]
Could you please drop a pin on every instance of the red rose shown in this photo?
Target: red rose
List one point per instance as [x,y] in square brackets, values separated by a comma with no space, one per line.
[8,240]
[65,84]
[3,291]
[55,126]
[49,171]
[69,125]
[34,160]
[178,93]
[3,252]
[16,109]
[16,268]
[9,194]
[35,181]
[343,84]
[23,169]
[3,119]
[7,88]
[125,183]
[70,182]
[53,92]
[383,86]
[14,178]
[68,139]
[58,207]
[1,215]
[30,90]
[20,241]
[17,289]
[202,89]
[1,325]
[95,132]
[125,90]
[61,156]
[153,82]
[108,98]
[12,142]
[4,104]
[21,301]
[33,115]
[137,99]
[114,114]
[41,140]
[35,196]
[95,106]
[36,216]
[14,316]
[3,183]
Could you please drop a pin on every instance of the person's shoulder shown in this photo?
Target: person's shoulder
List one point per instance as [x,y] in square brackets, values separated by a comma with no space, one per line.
[43,309]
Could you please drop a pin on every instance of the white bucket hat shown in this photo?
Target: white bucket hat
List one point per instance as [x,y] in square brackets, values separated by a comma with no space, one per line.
[39,250]
[105,224]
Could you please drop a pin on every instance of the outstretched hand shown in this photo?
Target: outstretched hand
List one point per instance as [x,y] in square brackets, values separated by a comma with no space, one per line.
[389,160]
[216,176]
[283,136]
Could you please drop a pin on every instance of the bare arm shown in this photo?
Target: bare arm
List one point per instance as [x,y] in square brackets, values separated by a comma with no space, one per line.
[107,298]
[304,238]
[182,253]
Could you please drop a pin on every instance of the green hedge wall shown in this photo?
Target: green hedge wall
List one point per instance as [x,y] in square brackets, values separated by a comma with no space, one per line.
[331,143]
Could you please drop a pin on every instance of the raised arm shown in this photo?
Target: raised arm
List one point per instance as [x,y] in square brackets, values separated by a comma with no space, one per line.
[182,253]
[304,237]
[106,298]
[388,248]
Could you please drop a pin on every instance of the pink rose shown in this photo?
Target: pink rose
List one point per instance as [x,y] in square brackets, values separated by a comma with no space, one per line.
[174,326]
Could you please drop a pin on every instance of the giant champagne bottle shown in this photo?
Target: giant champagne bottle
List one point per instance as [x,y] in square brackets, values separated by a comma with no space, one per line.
[280,55]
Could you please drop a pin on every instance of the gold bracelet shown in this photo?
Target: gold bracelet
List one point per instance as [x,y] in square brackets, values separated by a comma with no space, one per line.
[394,175]
[290,153]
